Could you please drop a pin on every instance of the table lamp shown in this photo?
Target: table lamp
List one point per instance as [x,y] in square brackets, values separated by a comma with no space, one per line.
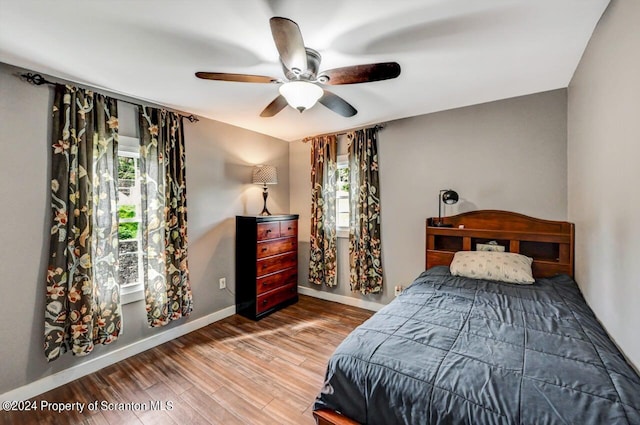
[265,174]
[448,197]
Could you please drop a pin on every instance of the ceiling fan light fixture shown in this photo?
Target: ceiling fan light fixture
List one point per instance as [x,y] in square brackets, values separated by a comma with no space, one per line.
[301,95]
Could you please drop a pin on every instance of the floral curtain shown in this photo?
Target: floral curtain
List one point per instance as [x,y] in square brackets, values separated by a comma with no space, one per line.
[82,301]
[322,261]
[164,219]
[365,253]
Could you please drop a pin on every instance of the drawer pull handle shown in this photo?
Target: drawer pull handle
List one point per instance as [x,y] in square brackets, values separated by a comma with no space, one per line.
[289,228]
[264,249]
[268,230]
[264,301]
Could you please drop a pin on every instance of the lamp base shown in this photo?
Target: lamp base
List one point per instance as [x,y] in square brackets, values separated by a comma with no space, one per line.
[265,194]
[437,224]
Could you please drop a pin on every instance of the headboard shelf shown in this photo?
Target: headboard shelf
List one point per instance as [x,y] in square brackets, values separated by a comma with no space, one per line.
[501,234]
[549,243]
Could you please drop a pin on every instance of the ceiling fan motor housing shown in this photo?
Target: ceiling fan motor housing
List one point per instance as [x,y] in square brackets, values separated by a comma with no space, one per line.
[309,74]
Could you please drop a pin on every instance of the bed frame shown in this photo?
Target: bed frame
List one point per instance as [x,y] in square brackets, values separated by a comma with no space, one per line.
[329,417]
[549,243]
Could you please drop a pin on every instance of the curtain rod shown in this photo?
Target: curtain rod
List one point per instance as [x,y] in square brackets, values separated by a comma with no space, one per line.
[376,126]
[39,80]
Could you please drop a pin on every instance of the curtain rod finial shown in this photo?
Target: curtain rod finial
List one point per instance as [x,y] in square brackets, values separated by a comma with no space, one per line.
[35,79]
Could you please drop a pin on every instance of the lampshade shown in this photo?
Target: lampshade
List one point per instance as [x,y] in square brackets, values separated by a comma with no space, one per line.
[265,174]
[301,94]
[450,197]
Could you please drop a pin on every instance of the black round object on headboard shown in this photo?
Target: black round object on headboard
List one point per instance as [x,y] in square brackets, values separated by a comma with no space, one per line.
[450,197]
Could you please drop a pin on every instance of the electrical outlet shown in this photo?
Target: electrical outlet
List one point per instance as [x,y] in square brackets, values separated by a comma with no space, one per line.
[223,282]
[398,290]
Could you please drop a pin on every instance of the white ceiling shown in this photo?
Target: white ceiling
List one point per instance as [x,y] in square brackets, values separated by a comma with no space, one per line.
[452,52]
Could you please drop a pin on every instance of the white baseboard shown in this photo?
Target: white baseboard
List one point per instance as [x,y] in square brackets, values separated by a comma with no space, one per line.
[342,299]
[64,377]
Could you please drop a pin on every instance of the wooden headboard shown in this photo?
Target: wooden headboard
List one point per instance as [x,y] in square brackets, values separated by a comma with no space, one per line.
[549,243]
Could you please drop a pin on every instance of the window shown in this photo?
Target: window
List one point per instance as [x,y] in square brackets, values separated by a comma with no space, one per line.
[129,216]
[342,197]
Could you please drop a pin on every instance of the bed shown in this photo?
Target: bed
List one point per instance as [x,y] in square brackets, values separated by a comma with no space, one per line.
[453,349]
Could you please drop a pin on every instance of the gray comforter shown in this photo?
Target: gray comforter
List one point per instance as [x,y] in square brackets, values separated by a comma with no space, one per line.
[457,350]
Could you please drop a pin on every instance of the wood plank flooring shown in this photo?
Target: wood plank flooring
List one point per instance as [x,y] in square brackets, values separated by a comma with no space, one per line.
[235,371]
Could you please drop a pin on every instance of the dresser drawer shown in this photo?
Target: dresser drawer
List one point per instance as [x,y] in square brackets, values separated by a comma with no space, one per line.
[279,246]
[275,297]
[273,281]
[289,228]
[270,230]
[276,263]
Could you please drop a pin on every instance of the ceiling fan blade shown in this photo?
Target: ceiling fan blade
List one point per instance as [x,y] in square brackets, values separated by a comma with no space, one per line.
[362,73]
[274,107]
[289,43]
[337,104]
[241,78]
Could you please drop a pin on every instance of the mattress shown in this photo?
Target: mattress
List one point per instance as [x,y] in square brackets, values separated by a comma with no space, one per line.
[458,350]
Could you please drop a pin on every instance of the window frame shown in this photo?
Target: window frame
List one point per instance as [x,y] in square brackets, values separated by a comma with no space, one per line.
[129,147]
[342,161]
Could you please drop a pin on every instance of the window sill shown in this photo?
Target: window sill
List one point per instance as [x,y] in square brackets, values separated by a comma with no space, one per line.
[131,292]
[342,232]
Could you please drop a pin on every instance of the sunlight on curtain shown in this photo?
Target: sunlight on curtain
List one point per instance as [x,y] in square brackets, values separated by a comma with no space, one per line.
[164,222]
[324,170]
[82,301]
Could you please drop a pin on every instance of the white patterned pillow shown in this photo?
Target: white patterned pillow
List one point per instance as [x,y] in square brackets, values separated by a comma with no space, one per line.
[501,266]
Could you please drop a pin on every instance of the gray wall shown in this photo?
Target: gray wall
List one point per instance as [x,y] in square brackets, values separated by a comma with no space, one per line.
[219,161]
[509,155]
[604,172]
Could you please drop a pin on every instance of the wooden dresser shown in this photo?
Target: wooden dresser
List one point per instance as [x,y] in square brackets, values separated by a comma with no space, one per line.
[266,264]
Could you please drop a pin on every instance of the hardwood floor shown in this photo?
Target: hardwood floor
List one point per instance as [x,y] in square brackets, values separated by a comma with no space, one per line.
[235,371]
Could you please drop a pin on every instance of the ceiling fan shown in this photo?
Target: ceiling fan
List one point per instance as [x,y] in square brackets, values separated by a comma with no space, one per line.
[301,87]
